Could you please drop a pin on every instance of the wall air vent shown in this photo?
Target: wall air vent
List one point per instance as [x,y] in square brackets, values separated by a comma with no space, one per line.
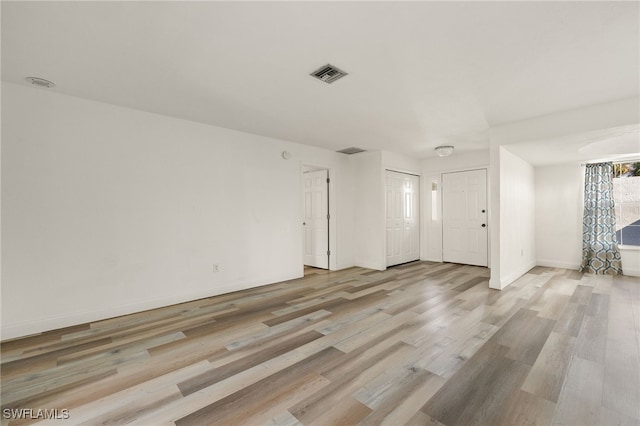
[351,150]
[328,73]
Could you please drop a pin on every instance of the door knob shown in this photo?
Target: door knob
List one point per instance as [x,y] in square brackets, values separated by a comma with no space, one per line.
[304,223]
[484,224]
[483,210]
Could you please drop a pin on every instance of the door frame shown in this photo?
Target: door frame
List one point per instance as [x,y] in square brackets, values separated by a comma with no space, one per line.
[429,227]
[442,189]
[332,211]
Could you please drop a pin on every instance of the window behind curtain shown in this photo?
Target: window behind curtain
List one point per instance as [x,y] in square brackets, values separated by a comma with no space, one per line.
[626,194]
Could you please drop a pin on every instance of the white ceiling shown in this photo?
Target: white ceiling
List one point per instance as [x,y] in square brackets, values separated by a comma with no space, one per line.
[611,144]
[420,73]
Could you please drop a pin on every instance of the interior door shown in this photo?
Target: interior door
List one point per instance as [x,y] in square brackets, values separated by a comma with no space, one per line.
[402,213]
[316,219]
[464,217]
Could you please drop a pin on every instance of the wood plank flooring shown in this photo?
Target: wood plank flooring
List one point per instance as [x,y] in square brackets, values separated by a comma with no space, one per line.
[419,344]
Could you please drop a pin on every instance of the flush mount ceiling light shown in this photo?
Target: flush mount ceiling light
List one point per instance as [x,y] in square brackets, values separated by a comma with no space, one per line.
[444,150]
[41,82]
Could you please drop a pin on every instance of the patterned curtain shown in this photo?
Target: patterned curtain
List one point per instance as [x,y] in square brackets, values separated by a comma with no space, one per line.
[600,254]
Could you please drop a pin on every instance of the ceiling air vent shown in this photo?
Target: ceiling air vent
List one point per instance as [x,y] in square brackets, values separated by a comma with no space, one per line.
[351,150]
[328,73]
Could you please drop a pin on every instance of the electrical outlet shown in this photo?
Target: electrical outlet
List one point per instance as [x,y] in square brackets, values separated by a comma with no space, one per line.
[216,267]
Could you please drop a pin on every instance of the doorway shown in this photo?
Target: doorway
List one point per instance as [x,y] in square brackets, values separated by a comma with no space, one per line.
[402,217]
[464,217]
[316,218]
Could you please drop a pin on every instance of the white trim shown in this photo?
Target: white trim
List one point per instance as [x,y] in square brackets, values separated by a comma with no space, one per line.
[457,170]
[372,265]
[630,272]
[503,282]
[630,254]
[403,171]
[42,325]
[555,264]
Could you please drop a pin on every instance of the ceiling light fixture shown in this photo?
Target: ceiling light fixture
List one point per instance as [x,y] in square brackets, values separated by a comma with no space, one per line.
[36,81]
[444,150]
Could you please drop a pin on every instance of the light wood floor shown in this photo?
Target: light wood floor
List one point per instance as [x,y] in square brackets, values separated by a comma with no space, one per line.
[420,344]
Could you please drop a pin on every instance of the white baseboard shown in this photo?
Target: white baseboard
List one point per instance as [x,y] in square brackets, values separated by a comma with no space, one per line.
[630,260]
[371,265]
[630,272]
[40,325]
[505,281]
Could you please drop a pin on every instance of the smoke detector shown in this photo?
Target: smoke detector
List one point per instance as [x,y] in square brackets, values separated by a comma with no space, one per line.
[41,82]
[328,73]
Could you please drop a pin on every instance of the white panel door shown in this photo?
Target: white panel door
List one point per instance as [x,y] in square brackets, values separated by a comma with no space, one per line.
[402,223]
[464,217]
[316,219]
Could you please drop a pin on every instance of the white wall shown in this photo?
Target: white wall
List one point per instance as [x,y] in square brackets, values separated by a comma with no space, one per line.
[108,210]
[558,193]
[369,203]
[369,210]
[342,210]
[566,137]
[515,220]
[431,171]
[559,209]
